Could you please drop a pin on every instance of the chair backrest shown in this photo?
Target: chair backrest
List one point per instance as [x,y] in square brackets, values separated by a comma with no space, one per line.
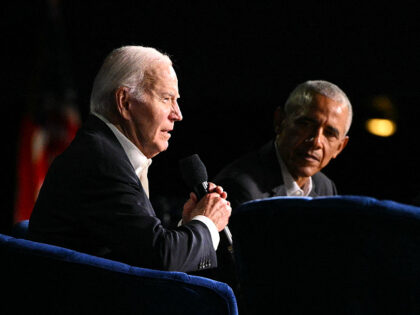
[330,255]
[39,278]
[20,229]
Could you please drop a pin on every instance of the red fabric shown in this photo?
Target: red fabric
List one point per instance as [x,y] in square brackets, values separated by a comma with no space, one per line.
[37,148]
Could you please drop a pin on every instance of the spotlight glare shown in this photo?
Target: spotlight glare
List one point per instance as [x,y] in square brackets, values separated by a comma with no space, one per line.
[381,127]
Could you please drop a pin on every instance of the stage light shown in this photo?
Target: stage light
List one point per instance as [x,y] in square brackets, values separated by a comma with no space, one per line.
[382,116]
[381,127]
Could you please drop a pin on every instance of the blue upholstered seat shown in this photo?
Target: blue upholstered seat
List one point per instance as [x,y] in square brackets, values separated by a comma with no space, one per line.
[39,278]
[20,229]
[328,255]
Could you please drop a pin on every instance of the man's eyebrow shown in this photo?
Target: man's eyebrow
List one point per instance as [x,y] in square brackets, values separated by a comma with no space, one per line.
[171,94]
[307,119]
[332,129]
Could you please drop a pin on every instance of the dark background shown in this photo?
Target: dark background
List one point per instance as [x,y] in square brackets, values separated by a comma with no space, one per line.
[236,61]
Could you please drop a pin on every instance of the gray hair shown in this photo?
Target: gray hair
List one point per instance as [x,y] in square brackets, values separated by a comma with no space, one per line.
[124,66]
[303,94]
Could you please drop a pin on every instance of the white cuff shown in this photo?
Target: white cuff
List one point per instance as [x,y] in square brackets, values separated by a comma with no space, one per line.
[212,228]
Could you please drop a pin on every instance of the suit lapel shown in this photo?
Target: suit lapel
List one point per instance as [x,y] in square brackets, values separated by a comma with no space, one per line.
[271,171]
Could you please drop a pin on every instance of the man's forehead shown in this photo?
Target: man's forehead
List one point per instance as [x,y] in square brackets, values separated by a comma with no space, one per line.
[160,68]
[325,105]
[172,73]
[335,112]
[161,74]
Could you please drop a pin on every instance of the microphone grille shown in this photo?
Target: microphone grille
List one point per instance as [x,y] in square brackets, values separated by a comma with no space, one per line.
[193,170]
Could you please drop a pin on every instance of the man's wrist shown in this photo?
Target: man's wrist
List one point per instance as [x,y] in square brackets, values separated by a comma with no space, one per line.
[214,233]
[212,228]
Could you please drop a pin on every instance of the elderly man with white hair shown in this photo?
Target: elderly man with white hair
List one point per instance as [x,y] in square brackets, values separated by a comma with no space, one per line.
[95,197]
[311,129]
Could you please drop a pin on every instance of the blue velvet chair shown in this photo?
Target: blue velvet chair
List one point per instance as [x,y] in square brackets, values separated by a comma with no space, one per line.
[20,229]
[327,255]
[39,278]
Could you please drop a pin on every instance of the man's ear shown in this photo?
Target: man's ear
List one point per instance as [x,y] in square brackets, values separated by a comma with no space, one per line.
[341,146]
[278,119]
[122,102]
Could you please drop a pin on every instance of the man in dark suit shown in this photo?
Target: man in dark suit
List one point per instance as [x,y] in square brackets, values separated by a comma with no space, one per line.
[310,130]
[95,196]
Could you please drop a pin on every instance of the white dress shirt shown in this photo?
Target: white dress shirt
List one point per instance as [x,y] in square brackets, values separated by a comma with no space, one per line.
[139,161]
[141,164]
[291,188]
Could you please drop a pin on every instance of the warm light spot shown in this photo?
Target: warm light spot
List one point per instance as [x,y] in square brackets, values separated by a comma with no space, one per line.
[381,127]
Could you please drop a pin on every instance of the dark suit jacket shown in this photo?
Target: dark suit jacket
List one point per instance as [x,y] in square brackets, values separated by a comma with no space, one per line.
[92,201]
[258,175]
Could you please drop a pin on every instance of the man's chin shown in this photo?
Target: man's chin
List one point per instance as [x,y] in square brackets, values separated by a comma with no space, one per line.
[306,171]
[157,149]
[163,146]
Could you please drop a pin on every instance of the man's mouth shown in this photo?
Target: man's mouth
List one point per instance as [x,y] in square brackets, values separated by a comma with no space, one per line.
[310,157]
[166,132]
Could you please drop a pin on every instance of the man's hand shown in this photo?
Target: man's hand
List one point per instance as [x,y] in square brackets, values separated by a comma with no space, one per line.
[213,205]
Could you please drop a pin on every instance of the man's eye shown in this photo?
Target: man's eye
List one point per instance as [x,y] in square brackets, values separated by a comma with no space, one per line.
[302,122]
[330,134]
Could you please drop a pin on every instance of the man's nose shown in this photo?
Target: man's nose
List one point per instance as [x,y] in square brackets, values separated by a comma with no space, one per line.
[315,138]
[176,114]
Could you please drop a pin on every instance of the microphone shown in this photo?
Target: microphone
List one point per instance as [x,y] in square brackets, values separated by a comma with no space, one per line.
[195,176]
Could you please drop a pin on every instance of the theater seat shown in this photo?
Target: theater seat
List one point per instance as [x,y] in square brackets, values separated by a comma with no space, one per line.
[20,229]
[38,278]
[327,255]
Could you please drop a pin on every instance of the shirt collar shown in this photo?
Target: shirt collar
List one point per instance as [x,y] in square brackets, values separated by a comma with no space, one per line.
[292,188]
[136,157]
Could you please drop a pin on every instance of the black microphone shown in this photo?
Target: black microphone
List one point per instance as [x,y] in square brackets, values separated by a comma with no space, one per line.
[195,176]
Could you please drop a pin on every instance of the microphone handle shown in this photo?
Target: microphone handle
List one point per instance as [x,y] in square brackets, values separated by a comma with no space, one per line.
[229,237]
[200,191]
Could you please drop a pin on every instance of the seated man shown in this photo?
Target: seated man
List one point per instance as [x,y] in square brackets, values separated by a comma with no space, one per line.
[310,131]
[95,196]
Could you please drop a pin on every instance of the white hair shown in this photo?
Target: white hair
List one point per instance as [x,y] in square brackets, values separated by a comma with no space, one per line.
[124,66]
[303,94]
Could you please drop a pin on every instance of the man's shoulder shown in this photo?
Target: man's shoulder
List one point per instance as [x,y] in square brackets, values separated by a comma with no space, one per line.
[240,169]
[95,137]
[323,185]
[248,164]
[251,176]
[95,149]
